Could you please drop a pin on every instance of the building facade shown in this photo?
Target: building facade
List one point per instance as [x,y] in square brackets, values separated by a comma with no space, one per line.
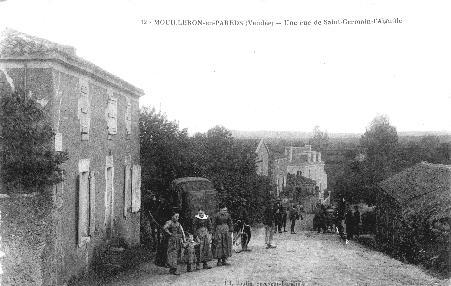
[94,115]
[262,160]
[301,161]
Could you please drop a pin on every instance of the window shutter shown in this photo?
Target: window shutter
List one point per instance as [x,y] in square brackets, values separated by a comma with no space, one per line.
[80,211]
[127,190]
[128,118]
[112,115]
[136,188]
[83,207]
[84,113]
[92,203]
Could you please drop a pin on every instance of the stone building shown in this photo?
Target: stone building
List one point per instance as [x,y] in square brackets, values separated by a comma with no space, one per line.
[302,161]
[94,115]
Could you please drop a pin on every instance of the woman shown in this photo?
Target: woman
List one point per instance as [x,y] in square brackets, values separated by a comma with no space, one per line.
[176,237]
[202,228]
[223,229]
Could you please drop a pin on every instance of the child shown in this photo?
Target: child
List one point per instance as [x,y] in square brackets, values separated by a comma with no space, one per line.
[190,255]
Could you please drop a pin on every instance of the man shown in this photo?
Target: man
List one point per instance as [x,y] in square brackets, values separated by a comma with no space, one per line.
[349,221]
[357,221]
[319,219]
[294,215]
[278,218]
[269,225]
[284,218]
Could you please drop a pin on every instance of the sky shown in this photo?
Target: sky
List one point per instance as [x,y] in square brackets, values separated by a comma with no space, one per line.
[281,78]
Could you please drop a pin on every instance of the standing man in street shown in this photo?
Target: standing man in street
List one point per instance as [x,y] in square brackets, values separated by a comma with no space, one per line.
[294,215]
[278,217]
[269,216]
[284,217]
[357,221]
[349,222]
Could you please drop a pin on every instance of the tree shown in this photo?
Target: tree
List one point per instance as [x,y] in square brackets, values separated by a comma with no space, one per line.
[29,162]
[379,142]
[230,164]
[164,150]
[320,139]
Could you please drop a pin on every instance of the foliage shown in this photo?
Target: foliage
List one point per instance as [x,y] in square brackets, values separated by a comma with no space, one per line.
[163,148]
[422,243]
[28,162]
[168,153]
[379,143]
[357,177]
[320,139]
[230,164]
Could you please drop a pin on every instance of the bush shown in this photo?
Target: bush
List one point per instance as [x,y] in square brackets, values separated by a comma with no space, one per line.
[29,163]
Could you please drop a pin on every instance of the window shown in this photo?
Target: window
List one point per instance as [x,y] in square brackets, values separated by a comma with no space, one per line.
[84,110]
[86,202]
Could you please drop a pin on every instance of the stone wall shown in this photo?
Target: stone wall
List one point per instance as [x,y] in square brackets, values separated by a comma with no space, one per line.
[28,240]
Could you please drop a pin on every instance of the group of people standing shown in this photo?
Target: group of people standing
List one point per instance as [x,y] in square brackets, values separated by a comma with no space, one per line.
[352,221]
[275,218]
[212,238]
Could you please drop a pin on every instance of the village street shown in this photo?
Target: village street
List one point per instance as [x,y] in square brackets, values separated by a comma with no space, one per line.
[307,258]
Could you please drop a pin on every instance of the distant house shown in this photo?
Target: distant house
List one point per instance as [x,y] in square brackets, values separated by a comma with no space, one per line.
[411,205]
[263,159]
[301,161]
[94,115]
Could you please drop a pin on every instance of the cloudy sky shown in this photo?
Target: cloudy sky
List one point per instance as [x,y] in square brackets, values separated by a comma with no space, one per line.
[261,77]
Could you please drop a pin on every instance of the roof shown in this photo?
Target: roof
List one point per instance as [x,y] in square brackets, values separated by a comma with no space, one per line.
[19,46]
[299,180]
[251,143]
[422,189]
[189,179]
[260,145]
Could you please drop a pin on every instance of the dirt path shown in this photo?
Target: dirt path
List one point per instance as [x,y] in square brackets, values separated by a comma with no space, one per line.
[306,258]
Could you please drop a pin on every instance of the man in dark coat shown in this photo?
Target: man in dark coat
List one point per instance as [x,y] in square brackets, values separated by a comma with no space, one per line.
[294,215]
[349,221]
[278,217]
[284,218]
[269,218]
[357,221]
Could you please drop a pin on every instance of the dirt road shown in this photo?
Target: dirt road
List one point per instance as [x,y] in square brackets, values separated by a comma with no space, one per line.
[305,258]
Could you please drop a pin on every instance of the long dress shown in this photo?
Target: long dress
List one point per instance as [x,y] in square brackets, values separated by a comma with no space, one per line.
[202,228]
[175,247]
[189,256]
[223,238]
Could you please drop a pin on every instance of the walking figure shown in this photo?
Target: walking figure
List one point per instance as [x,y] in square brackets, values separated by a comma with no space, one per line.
[269,225]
